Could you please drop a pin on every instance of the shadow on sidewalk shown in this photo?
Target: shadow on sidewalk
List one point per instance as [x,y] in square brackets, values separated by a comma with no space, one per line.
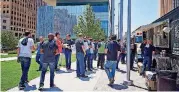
[30,88]
[118,87]
[62,71]
[139,87]
[85,79]
[51,89]
[122,71]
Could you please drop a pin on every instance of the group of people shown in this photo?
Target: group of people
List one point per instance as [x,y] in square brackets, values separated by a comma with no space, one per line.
[47,55]
[87,50]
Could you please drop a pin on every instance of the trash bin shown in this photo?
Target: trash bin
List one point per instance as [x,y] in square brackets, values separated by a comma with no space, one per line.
[166,80]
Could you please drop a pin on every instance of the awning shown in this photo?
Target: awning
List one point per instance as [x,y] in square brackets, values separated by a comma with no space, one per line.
[152,25]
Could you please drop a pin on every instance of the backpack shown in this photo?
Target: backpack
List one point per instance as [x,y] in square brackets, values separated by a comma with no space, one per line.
[24,41]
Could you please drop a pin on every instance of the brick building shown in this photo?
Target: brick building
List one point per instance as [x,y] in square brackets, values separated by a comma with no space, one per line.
[167,5]
[19,15]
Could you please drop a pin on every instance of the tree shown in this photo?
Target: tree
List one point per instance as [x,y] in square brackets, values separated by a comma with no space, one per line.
[88,25]
[8,40]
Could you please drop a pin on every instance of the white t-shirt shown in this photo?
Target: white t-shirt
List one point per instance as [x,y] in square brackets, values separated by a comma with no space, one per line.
[25,51]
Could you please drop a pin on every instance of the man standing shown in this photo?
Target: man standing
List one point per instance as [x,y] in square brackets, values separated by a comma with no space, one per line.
[149,49]
[59,44]
[68,51]
[133,53]
[80,51]
[92,48]
[49,49]
[24,54]
[101,54]
[112,50]
[87,51]
[39,55]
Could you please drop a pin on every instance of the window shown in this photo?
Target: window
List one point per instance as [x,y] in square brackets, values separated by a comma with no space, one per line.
[7,11]
[7,6]
[4,6]
[4,21]
[4,11]
[4,27]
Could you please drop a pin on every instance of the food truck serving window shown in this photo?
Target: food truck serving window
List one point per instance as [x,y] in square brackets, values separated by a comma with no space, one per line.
[138,39]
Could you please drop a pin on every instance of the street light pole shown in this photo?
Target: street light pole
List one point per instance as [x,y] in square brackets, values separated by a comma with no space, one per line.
[128,81]
[121,20]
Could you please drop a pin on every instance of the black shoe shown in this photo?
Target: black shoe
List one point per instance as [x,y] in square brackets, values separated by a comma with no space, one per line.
[21,86]
[41,86]
[111,81]
[84,76]
[102,68]
[52,85]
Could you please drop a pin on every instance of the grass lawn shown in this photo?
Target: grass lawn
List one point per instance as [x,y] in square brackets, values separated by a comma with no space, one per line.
[11,72]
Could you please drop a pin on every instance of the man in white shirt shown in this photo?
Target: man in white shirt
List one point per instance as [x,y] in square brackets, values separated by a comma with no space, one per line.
[24,52]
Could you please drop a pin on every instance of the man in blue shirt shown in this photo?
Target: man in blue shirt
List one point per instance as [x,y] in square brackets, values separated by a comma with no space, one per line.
[39,55]
[149,49]
[112,50]
[49,50]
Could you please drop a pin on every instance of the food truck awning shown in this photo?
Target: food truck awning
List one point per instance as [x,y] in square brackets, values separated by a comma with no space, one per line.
[152,25]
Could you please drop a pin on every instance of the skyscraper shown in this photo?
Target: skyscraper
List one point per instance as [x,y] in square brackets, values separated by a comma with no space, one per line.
[167,5]
[19,16]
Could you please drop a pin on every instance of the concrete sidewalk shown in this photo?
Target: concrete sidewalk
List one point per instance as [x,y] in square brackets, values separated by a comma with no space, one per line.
[97,81]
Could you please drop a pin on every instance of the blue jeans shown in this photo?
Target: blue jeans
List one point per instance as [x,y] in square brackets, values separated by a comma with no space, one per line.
[147,61]
[44,70]
[80,69]
[110,68]
[25,65]
[123,57]
[39,60]
[56,60]
[68,59]
[87,60]
[91,60]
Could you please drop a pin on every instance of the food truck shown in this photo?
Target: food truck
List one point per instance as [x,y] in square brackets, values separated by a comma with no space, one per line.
[164,33]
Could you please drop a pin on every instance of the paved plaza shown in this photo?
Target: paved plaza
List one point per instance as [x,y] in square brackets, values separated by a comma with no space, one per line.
[97,81]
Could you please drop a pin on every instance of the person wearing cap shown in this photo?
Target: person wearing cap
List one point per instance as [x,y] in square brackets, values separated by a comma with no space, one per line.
[60,45]
[87,51]
[80,53]
[49,50]
[91,53]
[24,54]
[68,51]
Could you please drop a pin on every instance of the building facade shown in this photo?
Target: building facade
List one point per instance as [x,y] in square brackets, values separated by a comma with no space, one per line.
[167,5]
[66,17]
[19,16]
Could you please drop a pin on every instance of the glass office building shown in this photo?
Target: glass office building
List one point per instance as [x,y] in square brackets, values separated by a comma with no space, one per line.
[66,16]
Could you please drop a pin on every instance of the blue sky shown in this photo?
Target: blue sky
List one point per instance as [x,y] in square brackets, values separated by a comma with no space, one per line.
[143,12]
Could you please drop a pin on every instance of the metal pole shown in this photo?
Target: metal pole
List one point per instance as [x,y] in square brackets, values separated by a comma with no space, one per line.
[128,82]
[112,13]
[121,20]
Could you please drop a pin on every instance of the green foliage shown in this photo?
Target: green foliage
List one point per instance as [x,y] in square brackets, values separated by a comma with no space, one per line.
[8,40]
[89,26]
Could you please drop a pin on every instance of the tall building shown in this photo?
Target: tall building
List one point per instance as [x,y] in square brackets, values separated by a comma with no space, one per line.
[19,16]
[167,5]
[66,13]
